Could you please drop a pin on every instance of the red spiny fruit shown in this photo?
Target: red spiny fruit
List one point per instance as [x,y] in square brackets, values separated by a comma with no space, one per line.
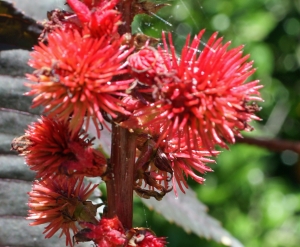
[107,233]
[51,150]
[60,202]
[203,93]
[144,237]
[75,78]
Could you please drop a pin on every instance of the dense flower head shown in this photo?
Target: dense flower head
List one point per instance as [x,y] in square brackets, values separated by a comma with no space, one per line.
[60,202]
[88,70]
[51,150]
[204,93]
[107,233]
[75,78]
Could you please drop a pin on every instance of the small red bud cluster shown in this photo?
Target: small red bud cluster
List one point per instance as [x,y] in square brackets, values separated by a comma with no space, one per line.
[110,233]
[87,72]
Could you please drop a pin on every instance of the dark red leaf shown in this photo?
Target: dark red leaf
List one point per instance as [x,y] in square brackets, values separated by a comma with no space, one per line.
[17,31]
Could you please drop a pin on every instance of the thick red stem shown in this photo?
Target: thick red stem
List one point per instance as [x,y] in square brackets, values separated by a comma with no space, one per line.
[126,8]
[120,187]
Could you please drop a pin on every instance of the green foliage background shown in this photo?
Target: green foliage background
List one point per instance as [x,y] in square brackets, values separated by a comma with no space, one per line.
[253,192]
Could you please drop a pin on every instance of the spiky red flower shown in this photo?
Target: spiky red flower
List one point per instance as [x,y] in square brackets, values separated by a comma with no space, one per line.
[60,202]
[75,78]
[204,93]
[107,233]
[51,150]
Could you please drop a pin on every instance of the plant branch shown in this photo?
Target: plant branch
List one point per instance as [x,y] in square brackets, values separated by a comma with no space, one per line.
[276,145]
[126,8]
[120,187]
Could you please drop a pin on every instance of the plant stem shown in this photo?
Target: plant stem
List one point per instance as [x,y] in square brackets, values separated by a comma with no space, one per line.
[120,187]
[126,8]
[276,145]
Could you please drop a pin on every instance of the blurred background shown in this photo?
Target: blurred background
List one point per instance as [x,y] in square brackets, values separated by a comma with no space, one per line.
[253,192]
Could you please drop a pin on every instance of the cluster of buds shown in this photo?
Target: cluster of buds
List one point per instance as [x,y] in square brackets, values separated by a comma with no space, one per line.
[89,71]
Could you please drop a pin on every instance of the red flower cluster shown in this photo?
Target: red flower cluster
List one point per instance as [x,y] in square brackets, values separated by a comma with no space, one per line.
[180,108]
[110,233]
